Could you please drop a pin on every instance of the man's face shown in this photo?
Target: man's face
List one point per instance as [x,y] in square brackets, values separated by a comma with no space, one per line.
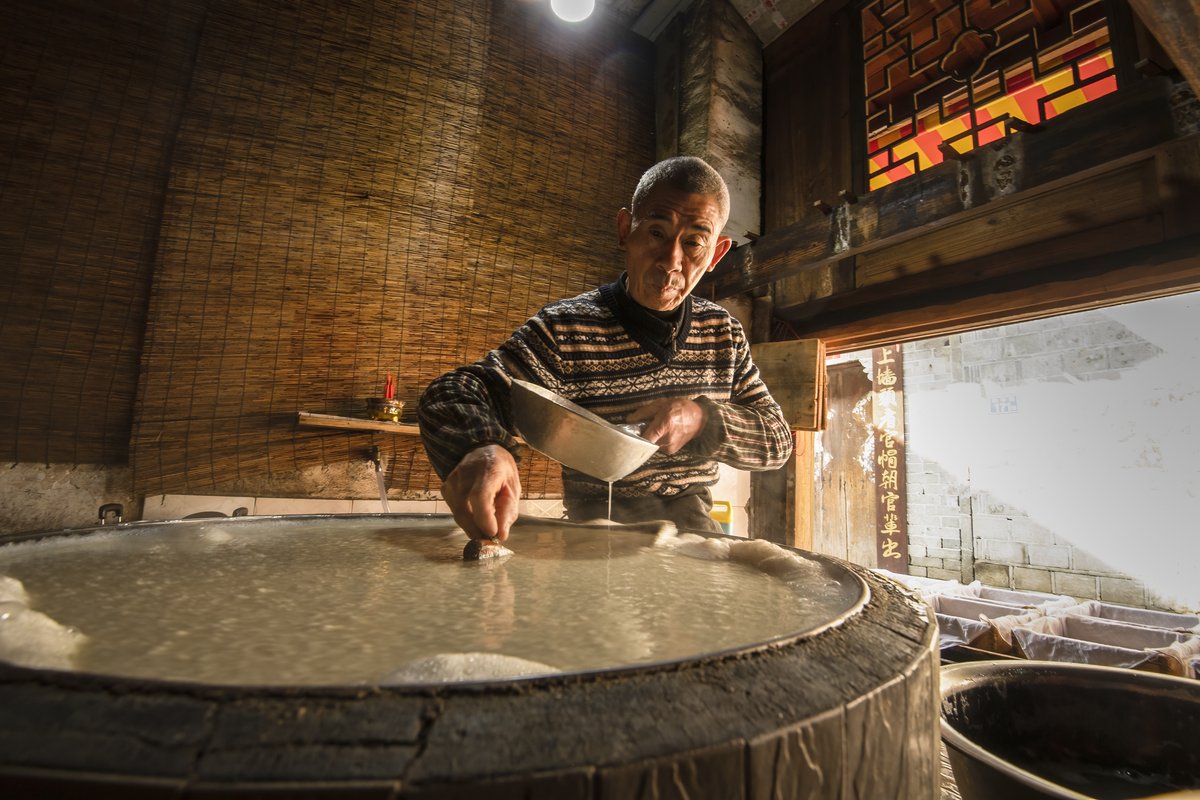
[668,248]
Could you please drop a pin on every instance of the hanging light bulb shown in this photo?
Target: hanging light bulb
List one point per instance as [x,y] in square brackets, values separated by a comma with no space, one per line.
[573,10]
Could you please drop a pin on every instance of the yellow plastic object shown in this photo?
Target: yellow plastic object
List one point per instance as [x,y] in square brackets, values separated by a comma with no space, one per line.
[722,512]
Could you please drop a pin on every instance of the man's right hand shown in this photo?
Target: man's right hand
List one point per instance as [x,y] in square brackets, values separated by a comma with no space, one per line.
[483,492]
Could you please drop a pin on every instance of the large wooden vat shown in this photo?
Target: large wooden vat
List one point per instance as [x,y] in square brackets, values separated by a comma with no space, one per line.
[849,710]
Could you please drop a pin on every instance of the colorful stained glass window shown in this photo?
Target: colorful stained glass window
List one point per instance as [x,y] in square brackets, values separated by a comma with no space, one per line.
[944,75]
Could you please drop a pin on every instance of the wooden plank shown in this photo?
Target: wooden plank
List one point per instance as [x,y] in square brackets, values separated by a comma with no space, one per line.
[807,138]
[804,491]
[808,242]
[916,290]
[845,494]
[1137,273]
[901,207]
[667,89]
[805,760]
[770,508]
[874,765]
[795,372]
[1121,194]
[314,420]
[1178,179]
[1095,133]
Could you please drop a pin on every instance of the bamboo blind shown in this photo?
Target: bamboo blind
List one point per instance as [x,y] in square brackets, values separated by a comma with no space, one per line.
[364,187]
[89,98]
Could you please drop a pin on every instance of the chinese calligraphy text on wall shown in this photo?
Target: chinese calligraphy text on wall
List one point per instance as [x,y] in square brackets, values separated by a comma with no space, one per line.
[891,507]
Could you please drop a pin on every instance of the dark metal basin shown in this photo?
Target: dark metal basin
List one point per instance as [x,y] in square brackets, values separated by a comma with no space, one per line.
[1033,729]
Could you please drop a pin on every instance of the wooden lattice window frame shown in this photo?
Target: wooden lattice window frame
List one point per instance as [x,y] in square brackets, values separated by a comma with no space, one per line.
[943,77]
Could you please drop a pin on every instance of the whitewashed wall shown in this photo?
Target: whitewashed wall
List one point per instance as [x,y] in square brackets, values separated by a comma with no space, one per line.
[1062,455]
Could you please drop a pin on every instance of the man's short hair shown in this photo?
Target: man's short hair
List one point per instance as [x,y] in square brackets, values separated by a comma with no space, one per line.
[685,173]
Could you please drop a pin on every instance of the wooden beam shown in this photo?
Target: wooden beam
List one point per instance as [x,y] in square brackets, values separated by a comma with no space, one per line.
[1091,212]
[1176,26]
[1146,212]
[795,371]
[1139,273]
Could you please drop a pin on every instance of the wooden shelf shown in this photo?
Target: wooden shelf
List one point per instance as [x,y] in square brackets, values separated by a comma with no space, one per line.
[314,420]
[356,424]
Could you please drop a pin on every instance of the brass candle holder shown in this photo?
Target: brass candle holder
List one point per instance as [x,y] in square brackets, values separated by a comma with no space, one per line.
[384,408]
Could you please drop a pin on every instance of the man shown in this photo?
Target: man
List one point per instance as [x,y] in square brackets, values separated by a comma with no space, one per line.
[641,349]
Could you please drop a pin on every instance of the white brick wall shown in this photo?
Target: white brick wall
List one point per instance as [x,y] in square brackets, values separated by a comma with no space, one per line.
[1050,556]
[1007,546]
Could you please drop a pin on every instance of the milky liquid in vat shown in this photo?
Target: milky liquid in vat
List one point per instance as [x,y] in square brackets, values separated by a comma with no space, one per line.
[275,601]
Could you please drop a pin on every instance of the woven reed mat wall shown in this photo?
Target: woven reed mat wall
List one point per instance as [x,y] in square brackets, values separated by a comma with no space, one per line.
[89,101]
[364,187]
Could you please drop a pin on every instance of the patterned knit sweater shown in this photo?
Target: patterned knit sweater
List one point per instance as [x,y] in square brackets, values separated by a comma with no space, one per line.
[602,351]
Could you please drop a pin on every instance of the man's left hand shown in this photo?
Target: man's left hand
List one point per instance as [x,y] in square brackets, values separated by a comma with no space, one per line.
[671,423]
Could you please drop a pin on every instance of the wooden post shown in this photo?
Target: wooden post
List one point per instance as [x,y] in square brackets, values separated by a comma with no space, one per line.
[803,496]
[770,509]
[782,503]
